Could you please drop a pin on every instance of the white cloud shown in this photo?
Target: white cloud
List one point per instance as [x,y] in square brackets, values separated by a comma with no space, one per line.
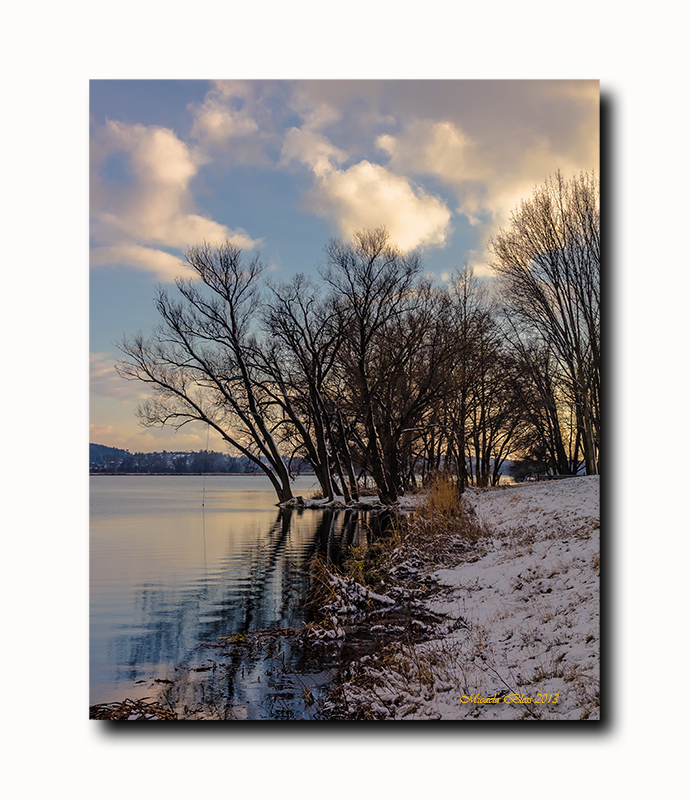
[491,171]
[488,142]
[364,195]
[367,195]
[97,433]
[165,266]
[434,148]
[156,206]
[224,114]
[313,149]
[234,124]
[308,144]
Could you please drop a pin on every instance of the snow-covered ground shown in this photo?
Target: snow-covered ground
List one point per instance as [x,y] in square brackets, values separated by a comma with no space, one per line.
[521,633]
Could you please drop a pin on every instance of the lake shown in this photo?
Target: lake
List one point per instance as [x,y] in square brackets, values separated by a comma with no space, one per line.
[178,562]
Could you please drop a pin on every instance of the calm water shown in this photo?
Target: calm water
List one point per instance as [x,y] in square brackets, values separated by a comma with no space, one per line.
[169,574]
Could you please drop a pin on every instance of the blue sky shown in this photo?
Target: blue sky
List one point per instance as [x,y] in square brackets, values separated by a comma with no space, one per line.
[283,166]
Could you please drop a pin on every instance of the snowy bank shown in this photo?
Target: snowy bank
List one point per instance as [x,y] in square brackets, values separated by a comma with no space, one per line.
[520,636]
[338,502]
[367,503]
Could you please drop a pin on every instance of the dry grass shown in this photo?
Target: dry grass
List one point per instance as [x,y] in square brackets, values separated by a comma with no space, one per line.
[324,591]
[442,498]
[136,710]
[440,531]
[425,679]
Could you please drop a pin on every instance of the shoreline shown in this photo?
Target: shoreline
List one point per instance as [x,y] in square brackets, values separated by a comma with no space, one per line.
[519,610]
[488,614]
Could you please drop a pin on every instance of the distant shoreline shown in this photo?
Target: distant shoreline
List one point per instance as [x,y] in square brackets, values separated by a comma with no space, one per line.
[189,474]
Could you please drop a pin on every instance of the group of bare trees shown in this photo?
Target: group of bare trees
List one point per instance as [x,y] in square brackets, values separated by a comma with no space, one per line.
[377,374]
[548,264]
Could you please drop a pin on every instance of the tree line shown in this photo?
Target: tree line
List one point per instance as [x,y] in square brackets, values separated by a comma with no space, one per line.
[377,375]
[113,460]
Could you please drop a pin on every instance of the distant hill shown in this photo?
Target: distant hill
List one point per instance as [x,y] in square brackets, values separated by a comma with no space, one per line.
[113,459]
[102,456]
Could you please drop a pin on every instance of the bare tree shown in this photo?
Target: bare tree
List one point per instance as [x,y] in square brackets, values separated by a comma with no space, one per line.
[372,283]
[414,362]
[199,360]
[549,264]
[300,349]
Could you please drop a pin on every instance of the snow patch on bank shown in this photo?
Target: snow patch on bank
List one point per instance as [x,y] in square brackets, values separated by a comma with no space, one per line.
[522,621]
[367,503]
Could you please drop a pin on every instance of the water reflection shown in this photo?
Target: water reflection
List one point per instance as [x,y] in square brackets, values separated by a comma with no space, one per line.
[168,576]
[264,586]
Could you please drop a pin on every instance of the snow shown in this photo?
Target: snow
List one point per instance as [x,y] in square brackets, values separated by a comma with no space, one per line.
[521,631]
[338,502]
[367,503]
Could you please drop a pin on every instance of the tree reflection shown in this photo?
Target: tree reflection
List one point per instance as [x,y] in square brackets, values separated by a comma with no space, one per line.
[264,586]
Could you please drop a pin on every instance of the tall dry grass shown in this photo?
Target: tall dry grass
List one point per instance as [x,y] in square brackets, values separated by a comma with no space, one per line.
[442,498]
[441,528]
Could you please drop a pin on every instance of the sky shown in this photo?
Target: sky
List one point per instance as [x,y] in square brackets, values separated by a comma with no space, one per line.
[283,166]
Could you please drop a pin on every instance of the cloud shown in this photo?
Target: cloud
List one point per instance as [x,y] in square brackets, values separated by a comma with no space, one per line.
[367,195]
[99,433]
[235,123]
[313,149]
[224,114]
[165,266]
[308,144]
[106,382]
[364,195]
[436,148]
[491,163]
[369,145]
[156,439]
[489,143]
[152,203]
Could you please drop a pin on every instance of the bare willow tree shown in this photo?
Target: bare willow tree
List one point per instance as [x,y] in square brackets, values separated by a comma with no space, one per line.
[302,337]
[548,261]
[199,360]
[414,364]
[372,283]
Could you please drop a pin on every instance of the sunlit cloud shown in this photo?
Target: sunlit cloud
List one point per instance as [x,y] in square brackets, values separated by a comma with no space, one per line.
[155,206]
[434,148]
[490,169]
[106,382]
[235,124]
[130,437]
[224,113]
[156,439]
[308,143]
[367,195]
[104,434]
[164,266]
[312,148]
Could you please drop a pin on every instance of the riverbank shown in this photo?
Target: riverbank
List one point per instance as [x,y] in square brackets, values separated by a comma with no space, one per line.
[368,502]
[515,599]
[481,608]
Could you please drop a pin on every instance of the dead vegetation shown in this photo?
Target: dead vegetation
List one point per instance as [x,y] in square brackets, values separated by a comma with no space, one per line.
[538,638]
[393,571]
[396,659]
[132,710]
